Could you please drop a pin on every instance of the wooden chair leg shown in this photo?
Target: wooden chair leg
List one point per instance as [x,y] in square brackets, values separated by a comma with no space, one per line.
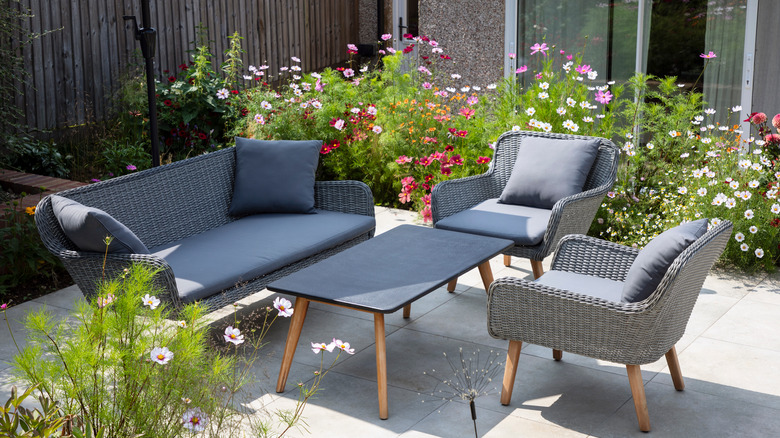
[674,369]
[507,260]
[510,371]
[407,311]
[557,354]
[536,267]
[638,392]
[451,285]
[487,275]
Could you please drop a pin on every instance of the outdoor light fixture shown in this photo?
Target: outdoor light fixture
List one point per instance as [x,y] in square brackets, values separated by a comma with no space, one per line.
[147,35]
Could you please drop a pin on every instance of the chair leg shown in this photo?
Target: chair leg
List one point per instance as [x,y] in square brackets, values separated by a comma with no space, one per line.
[451,285]
[510,370]
[638,392]
[674,369]
[507,260]
[536,267]
[557,354]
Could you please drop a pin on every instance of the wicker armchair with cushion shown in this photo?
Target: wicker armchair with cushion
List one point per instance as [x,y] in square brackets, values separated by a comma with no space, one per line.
[609,302]
[539,188]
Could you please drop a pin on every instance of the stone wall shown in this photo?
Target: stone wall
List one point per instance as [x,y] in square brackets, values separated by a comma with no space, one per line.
[470,31]
[367,22]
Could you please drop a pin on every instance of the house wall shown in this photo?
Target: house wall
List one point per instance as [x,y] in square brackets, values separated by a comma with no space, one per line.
[471,32]
[367,22]
[766,86]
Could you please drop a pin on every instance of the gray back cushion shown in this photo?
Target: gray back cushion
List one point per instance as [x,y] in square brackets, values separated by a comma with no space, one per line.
[652,262]
[274,176]
[548,169]
[87,227]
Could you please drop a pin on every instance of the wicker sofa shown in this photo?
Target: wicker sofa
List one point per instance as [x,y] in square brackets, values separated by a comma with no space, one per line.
[180,212]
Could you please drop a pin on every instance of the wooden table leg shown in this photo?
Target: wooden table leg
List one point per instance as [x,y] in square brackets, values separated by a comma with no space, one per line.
[507,260]
[381,364]
[487,274]
[293,335]
[407,311]
[451,285]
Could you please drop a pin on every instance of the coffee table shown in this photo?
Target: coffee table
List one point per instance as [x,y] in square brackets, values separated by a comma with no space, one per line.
[381,276]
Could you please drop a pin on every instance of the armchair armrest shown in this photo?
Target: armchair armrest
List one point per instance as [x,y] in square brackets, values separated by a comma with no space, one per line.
[86,267]
[571,215]
[344,196]
[453,196]
[590,256]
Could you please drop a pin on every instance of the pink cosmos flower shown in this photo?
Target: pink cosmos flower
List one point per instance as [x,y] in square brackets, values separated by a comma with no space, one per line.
[284,306]
[536,48]
[483,160]
[425,161]
[403,197]
[391,50]
[195,420]
[318,86]
[708,55]
[427,85]
[538,76]
[161,355]
[427,214]
[772,138]
[386,36]
[602,97]
[583,69]
[131,167]
[445,170]
[403,159]
[522,69]
[466,112]
[776,121]
[348,73]
[338,124]
[259,119]
[426,199]
[422,69]
[456,160]
[512,55]
[472,100]
[4,306]
[408,180]
[352,48]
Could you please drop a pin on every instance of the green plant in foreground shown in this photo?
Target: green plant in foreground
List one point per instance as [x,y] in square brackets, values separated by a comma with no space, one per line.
[120,365]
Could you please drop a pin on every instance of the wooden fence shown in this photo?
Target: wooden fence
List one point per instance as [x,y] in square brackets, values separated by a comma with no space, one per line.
[75,70]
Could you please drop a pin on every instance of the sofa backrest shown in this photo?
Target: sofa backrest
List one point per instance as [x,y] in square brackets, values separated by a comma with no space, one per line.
[159,205]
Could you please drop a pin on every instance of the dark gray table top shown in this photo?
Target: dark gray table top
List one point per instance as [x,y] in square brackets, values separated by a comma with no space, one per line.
[391,270]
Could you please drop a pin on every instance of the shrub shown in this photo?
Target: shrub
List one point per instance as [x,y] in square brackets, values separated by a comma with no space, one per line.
[28,154]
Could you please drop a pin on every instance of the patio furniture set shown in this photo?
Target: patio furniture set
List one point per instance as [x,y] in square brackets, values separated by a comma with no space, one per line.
[225,225]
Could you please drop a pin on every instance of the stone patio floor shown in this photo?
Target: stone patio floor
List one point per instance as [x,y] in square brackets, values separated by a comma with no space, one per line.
[730,359]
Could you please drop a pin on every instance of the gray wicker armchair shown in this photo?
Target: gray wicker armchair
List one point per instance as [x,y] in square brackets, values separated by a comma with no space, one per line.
[628,333]
[571,215]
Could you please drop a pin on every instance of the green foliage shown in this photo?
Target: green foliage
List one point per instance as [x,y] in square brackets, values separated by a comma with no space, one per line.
[24,257]
[124,158]
[28,154]
[18,421]
[196,108]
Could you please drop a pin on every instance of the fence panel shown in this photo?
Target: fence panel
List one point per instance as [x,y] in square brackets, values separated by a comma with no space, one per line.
[74,70]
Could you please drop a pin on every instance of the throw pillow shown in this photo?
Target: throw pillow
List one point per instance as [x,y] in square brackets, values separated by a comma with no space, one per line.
[88,227]
[549,169]
[652,262]
[274,176]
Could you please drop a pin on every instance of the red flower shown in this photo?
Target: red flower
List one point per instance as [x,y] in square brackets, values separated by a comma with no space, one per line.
[445,56]
[445,170]
[171,78]
[775,222]
[202,135]
[428,177]
[183,67]
[334,144]
[408,36]
[483,160]
[324,149]
[168,102]
[456,160]
[449,148]
[234,91]
[409,48]
[424,57]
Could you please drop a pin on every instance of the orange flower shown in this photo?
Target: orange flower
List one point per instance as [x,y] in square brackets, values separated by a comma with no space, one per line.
[30,210]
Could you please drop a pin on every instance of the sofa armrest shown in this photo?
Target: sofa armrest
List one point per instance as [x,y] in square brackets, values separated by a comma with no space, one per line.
[590,256]
[456,195]
[344,196]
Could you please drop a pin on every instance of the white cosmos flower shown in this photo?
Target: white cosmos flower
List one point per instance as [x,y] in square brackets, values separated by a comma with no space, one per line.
[775,209]
[530,111]
[233,335]
[739,237]
[744,247]
[543,95]
[161,355]
[195,420]
[702,191]
[749,214]
[151,301]
[753,229]
[759,252]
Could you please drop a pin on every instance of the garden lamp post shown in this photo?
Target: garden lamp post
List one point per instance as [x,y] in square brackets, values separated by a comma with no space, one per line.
[147,35]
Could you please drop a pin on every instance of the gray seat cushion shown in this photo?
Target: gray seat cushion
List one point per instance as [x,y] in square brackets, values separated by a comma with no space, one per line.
[253,246]
[598,287]
[548,170]
[524,225]
[274,176]
[87,227]
[652,262]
